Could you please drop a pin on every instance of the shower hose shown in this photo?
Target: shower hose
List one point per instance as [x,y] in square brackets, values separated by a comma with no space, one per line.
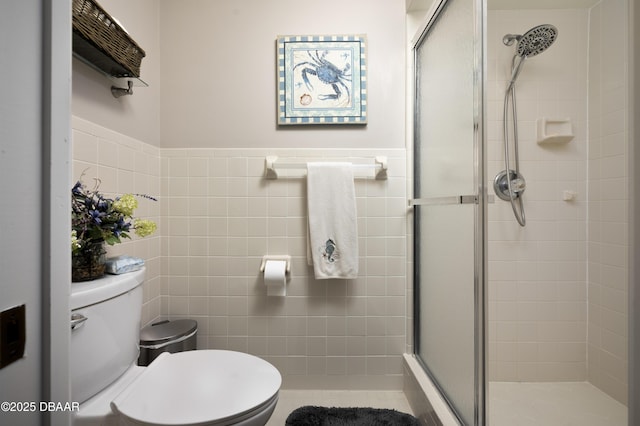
[515,184]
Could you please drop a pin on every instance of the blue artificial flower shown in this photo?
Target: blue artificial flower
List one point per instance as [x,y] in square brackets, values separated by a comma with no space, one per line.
[77,189]
[96,216]
[102,205]
[124,225]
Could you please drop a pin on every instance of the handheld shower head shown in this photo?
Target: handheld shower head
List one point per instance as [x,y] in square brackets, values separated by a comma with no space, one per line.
[532,43]
[536,40]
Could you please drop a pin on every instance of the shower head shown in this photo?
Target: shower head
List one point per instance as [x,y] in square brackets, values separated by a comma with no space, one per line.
[534,41]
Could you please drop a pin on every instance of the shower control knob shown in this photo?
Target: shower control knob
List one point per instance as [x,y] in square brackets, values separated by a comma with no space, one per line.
[501,185]
[518,184]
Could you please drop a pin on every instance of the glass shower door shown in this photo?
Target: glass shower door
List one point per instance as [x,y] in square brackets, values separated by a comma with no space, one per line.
[449,206]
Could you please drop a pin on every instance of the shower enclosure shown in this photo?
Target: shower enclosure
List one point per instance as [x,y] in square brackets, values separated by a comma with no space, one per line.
[497,305]
[449,206]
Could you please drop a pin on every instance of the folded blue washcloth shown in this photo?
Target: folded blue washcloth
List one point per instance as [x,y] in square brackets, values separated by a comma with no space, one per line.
[123,264]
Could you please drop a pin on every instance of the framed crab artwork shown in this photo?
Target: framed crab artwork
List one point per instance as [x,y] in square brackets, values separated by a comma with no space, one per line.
[322,79]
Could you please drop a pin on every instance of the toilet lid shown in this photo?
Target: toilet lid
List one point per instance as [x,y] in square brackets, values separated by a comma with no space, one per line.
[198,387]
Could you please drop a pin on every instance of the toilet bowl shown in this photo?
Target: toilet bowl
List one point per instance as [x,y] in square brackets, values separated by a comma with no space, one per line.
[201,387]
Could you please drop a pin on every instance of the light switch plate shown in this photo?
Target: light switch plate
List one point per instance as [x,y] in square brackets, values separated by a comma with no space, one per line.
[12,334]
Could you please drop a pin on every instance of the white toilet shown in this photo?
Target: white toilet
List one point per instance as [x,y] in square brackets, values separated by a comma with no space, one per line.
[203,387]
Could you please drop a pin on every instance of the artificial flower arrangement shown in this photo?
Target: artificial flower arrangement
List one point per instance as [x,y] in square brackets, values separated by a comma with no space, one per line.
[96,220]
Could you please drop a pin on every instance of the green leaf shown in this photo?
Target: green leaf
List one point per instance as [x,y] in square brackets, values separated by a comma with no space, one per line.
[112,239]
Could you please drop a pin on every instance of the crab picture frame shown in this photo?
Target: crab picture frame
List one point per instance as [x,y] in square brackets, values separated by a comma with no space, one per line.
[322,79]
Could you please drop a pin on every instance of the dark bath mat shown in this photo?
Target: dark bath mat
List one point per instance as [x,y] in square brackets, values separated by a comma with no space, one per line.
[334,416]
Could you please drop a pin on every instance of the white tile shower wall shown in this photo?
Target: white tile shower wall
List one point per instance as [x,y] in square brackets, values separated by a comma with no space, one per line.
[124,165]
[221,216]
[537,274]
[608,198]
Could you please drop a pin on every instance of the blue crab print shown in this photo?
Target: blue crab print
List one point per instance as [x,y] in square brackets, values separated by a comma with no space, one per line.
[327,73]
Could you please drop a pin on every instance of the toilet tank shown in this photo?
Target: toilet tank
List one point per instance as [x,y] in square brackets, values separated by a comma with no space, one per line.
[104,345]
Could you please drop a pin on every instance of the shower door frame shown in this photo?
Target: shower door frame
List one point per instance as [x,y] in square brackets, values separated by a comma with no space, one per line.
[480,211]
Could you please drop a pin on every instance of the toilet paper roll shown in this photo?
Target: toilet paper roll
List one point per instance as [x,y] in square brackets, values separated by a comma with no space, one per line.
[275,277]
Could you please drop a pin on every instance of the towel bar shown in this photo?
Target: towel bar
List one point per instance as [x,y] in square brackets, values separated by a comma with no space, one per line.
[361,170]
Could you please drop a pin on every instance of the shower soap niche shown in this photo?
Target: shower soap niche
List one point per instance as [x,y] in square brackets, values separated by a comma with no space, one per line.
[554,131]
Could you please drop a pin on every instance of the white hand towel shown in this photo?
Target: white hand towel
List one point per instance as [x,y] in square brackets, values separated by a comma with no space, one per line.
[333,230]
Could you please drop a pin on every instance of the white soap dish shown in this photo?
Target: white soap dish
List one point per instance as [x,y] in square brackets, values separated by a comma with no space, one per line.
[554,131]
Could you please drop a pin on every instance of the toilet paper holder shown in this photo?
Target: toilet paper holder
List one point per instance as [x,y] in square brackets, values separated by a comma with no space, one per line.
[284,257]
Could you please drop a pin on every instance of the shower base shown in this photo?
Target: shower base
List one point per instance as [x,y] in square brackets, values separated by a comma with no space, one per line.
[425,400]
[553,404]
[518,403]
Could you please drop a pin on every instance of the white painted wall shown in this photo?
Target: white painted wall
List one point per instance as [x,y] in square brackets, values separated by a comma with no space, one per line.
[56,277]
[20,185]
[210,66]
[137,116]
[219,72]
[34,227]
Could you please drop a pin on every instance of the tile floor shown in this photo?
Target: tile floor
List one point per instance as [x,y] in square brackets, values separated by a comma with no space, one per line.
[511,404]
[553,404]
[292,399]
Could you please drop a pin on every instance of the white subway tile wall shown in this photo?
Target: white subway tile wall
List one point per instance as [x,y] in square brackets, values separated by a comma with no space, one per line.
[608,229]
[558,288]
[537,274]
[121,165]
[221,216]
[218,216]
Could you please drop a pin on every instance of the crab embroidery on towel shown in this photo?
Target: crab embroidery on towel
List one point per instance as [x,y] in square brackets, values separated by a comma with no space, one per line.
[330,251]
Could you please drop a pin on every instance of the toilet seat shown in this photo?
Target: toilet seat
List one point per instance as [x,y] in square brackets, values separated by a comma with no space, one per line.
[204,387]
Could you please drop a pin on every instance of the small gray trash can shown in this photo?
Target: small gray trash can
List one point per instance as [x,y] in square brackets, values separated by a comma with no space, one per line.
[166,336]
